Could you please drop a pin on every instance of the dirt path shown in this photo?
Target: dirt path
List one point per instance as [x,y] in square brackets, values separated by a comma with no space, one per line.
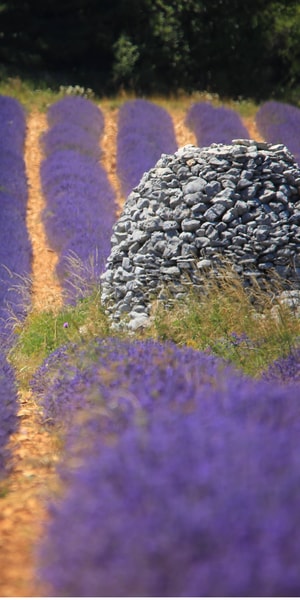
[46,290]
[249,122]
[23,500]
[109,151]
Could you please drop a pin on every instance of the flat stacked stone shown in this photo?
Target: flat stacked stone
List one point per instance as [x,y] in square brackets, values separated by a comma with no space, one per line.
[238,202]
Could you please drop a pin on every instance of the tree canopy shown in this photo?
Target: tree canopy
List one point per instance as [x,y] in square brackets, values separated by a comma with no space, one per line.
[232,47]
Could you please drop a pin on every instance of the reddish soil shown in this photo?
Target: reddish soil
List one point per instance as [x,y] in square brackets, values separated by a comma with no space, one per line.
[24,494]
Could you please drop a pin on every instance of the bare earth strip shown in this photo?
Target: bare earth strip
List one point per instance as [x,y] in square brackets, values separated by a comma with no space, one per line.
[46,290]
[109,151]
[183,134]
[249,122]
[22,507]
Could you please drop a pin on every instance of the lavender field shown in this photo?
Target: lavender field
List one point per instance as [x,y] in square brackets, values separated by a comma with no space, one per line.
[178,471]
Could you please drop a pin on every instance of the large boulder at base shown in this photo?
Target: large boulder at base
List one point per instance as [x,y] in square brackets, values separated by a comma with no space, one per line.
[238,202]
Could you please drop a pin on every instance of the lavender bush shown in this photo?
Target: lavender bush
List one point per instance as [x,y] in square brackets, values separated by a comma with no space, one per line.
[8,411]
[145,131]
[15,247]
[145,370]
[13,126]
[79,198]
[77,110]
[279,123]
[181,476]
[212,124]
[284,370]
[80,202]
[70,136]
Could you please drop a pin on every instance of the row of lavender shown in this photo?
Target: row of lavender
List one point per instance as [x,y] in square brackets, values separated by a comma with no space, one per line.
[80,202]
[212,124]
[15,256]
[181,476]
[15,247]
[280,123]
[144,132]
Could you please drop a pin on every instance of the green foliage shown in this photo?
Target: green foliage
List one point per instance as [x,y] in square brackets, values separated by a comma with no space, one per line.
[242,325]
[126,57]
[234,48]
[44,331]
[31,95]
[285,45]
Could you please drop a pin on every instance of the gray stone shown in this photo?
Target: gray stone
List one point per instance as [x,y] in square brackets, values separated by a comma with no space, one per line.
[212,188]
[138,322]
[202,242]
[213,214]
[198,209]
[228,216]
[170,225]
[189,224]
[192,199]
[195,185]
[240,207]
[204,264]
[170,271]
[151,224]
[139,236]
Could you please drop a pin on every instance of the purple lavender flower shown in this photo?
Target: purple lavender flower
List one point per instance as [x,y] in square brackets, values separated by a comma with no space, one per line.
[78,111]
[238,339]
[80,202]
[15,247]
[8,411]
[13,182]
[71,136]
[145,131]
[136,369]
[284,370]
[213,124]
[279,122]
[195,493]
[13,125]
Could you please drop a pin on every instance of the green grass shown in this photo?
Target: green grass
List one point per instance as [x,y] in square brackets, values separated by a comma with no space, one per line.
[245,326]
[31,98]
[44,331]
[41,97]
[242,325]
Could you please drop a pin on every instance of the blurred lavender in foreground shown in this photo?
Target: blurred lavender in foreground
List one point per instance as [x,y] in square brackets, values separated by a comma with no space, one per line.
[212,124]
[279,123]
[145,131]
[181,476]
[146,371]
[80,202]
